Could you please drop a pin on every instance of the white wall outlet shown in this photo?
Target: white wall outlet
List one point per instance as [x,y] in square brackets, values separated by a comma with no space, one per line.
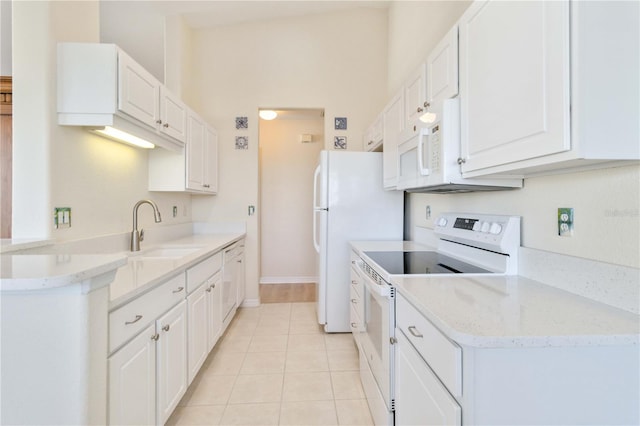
[565,221]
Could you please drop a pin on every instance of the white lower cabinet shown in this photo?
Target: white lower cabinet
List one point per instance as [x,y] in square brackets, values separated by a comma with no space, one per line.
[420,397]
[132,381]
[198,315]
[214,313]
[172,360]
[148,375]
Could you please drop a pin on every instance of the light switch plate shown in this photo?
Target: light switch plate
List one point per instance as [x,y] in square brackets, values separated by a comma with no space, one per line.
[565,221]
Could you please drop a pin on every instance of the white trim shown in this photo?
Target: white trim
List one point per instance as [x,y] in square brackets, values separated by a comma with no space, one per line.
[288,280]
[250,303]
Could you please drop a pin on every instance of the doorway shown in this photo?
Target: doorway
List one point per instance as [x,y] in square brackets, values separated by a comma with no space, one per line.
[289,148]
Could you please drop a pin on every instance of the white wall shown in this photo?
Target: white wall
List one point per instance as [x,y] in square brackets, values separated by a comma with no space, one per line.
[56,166]
[335,61]
[286,176]
[606,202]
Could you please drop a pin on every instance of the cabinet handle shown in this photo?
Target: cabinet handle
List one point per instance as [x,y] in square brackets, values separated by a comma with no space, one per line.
[209,289]
[155,337]
[158,121]
[354,301]
[354,282]
[370,142]
[166,327]
[420,109]
[206,186]
[138,318]
[353,262]
[178,290]
[413,330]
[165,125]
[213,286]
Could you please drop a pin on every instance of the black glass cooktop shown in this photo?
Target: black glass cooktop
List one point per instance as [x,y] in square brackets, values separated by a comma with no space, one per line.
[421,262]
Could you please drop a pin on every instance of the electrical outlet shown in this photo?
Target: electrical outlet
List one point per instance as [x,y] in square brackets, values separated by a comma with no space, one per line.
[565,221]
[428,212]
[62,217]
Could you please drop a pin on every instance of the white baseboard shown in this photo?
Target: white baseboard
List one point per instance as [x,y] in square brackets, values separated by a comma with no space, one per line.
[288,280]
[250,303]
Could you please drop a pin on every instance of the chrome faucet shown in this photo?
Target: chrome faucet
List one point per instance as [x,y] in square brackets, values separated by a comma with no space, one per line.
[137,236]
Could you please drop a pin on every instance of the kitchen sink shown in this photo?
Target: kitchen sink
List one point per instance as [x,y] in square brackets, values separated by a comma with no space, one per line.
[166,252]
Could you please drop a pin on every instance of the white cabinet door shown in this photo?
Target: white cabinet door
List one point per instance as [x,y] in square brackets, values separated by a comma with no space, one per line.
[173,115]
[214,312]
[132,381]
[442,70]
[195,150]
[393,124]
[210,179]
[172,360]
[415,96]
[240,278]
[420,397]
[229,291]
[514,81]
[138,91]
[197,324]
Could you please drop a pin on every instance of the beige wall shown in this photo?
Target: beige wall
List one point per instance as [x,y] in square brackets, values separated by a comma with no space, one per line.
[286,175]
[334,61]
[606,202]
[56,166]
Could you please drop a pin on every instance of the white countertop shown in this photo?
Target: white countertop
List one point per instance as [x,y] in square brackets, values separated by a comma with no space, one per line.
[508,311]
[139,274]
[49,268]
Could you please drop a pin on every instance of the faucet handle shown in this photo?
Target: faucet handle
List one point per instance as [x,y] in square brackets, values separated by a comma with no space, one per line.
[141,235]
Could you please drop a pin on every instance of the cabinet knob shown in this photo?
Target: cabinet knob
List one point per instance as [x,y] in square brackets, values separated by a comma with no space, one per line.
[178,290]
[165,125]
[158,121]
[166,327]
[354,325]
[155,337]
[212,286]
[354,282]
[427,104]
[420,109]
[206,185]
[461,161]
[393,340]
[209,289]
[354,301]
[138,318]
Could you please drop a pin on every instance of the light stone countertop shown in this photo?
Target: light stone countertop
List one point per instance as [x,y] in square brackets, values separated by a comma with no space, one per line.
[48,268]
[139,274]
[501,311]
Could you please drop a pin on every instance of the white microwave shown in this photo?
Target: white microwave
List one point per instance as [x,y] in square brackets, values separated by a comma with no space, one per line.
[428,157]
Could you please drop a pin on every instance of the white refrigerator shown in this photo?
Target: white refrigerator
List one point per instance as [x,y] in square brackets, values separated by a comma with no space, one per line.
[349,204]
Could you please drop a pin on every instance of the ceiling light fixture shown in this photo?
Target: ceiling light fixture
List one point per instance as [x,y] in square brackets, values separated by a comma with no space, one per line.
[120,136]
[267,114]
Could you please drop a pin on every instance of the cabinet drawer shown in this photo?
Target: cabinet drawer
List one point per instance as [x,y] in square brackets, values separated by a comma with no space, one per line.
[129,320]
[443,356]
[201,272]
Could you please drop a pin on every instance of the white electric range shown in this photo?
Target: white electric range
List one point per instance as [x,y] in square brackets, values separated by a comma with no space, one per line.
[467,244]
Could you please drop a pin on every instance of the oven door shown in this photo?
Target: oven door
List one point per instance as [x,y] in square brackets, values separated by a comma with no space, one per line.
[379,318]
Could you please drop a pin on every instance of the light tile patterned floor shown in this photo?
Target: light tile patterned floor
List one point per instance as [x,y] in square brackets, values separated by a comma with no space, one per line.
[275,366]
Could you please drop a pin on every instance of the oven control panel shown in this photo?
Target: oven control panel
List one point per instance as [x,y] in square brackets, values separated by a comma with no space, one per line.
[492,232]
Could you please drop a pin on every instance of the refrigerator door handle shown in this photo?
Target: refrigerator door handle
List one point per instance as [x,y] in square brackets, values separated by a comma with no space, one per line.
[316,175]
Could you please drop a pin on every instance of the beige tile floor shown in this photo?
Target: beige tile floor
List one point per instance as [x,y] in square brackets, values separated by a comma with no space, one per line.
[275,366]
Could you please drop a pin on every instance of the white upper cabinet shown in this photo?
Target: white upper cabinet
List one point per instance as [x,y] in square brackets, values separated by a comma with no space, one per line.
[393,120]
[442,70]
[193,170]
[548,86]
[373,135]
[415,96]
[100,85]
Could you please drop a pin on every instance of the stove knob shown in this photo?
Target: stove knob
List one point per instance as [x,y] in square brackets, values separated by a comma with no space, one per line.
[495,229]
[442,222]
[485,227]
